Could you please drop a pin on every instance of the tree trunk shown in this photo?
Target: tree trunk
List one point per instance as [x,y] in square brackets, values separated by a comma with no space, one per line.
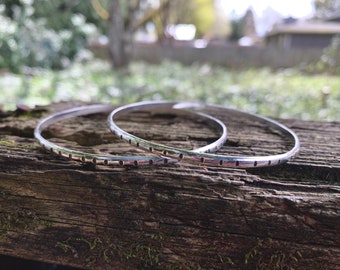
[175,216]
[119,39]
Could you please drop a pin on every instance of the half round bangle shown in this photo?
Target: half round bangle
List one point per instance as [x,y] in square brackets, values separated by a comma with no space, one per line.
[165,107]
[112,160]
[202,157]
[88,157]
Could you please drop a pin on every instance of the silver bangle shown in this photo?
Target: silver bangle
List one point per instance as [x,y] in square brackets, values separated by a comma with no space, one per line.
[111,160]
[200,156]
[164,107]
[88,157]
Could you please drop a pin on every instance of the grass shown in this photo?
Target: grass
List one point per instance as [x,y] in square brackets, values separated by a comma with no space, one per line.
[285,94]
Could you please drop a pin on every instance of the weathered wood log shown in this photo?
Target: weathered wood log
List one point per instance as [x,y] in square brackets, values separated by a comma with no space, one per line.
[176,216]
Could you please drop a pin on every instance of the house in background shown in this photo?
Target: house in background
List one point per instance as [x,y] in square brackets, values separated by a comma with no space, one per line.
[291,34]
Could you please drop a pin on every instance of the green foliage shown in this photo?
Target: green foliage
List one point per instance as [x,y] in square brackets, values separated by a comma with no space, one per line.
[203,16]
[324,8]
[269,256]
[327,62]
[200,13]
[236,29]
[287,93]
[39,34]
[8,44]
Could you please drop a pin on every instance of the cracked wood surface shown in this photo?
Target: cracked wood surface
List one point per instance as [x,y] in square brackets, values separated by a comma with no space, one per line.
[178,216]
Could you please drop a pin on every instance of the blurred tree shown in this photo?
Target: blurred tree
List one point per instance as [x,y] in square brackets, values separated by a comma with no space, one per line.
[324,8]
[200,13]
[221,27]
[119,33]
[57,13]
[244,26]
[248,24]
[64,26]
[41,33]
[10,7]
[125,17]
[236,29]
[203,16]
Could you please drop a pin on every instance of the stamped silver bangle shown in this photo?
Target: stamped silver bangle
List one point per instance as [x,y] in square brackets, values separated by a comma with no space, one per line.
[111,160]
[165,107]
[89,157]
[202,156]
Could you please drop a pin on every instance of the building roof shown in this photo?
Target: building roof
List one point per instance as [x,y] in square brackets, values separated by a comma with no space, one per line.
[306,28]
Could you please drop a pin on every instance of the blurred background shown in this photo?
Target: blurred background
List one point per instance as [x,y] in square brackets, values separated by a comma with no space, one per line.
[276,58]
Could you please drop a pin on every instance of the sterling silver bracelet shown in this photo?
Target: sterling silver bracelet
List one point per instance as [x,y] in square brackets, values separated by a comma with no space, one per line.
[198,155]
[110,160]
[165,107]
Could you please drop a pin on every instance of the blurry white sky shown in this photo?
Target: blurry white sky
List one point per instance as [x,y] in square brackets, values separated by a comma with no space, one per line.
[294,8]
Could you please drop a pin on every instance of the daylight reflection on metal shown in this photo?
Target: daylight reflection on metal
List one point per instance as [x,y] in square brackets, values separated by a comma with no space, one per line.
[120,160]
[88,157]
[202,156]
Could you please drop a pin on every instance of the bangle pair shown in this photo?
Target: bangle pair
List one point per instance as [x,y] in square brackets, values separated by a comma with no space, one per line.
[164,153]
[118,160]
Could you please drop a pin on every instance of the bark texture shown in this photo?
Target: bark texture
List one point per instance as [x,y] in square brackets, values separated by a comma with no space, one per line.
[116,36]
[178,216]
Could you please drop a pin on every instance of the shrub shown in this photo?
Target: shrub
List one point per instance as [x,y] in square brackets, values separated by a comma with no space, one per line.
[26,40]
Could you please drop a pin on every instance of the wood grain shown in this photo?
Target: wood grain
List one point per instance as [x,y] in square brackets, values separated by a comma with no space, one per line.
[178,216]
